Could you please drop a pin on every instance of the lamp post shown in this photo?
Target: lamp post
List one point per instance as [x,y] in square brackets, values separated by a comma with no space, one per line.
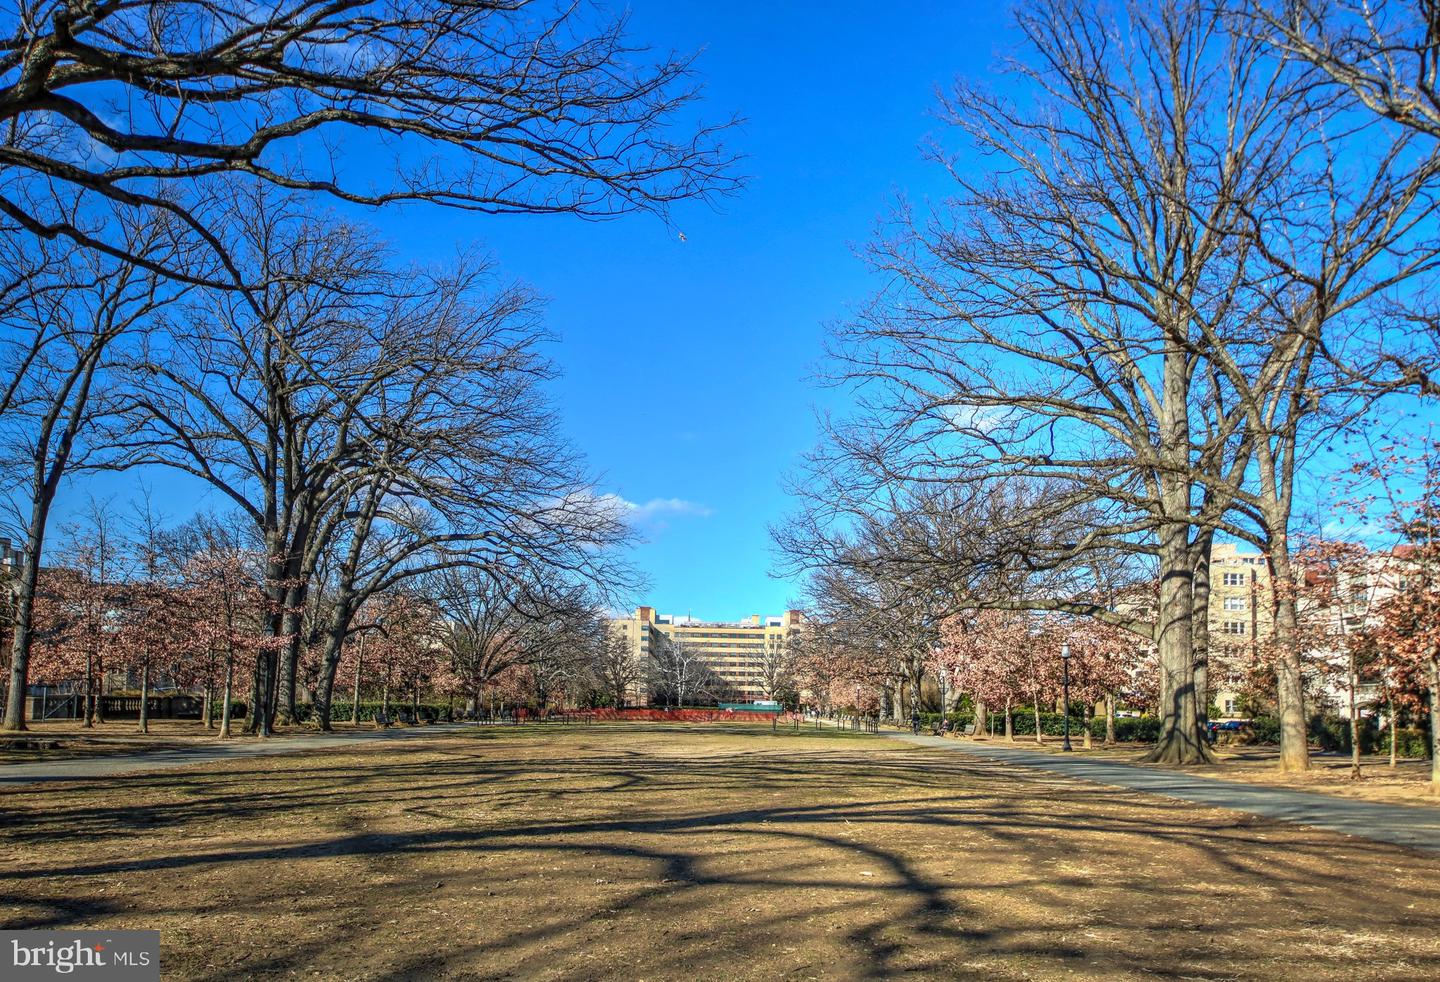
[1065,686]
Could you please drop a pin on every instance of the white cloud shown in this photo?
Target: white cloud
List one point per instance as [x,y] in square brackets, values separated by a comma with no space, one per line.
[656,513]
[658,507]
[975,419]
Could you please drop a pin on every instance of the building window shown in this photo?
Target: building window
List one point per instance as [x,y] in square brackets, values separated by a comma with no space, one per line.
[1234,627]
[1236,603]
[1233,579]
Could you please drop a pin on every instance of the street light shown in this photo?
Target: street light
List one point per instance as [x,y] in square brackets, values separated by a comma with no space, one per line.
[1065,684]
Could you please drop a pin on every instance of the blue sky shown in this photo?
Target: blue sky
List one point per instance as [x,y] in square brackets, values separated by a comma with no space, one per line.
[687,363]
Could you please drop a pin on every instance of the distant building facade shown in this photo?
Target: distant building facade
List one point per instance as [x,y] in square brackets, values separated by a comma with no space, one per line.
[739,654]
[1242,612]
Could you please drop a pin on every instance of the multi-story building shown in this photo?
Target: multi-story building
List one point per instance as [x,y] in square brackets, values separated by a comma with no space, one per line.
[1332,602]
[741,655]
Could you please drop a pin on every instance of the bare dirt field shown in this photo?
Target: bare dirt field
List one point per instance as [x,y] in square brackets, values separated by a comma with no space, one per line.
[646,852]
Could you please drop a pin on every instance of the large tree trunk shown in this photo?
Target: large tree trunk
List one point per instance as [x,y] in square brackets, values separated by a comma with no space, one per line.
[1180,739]
[1290,683]
[289,659]
[1009,722]
[980,720]
[263,711]
[1110,719]
[335,636]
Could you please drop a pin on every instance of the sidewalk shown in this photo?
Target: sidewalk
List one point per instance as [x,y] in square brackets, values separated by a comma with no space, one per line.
[1403,825]
[84,768]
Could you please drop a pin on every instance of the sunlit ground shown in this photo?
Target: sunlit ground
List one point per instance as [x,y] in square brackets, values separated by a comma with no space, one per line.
[645,852]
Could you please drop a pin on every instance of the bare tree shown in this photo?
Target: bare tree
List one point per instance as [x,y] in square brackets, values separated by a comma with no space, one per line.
[493,106]
[677,672]
[61,343]
[1125,306]
[776,672]
[616,667]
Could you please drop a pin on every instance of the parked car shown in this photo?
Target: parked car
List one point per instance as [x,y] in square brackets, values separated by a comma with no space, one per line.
[1227,726]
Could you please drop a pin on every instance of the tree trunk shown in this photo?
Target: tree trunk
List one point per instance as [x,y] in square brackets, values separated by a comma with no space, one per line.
[1180,739]
[289,660]
[1009,723]
[355,701]
[1394,724]
[263,711]
[145,694]
[1290,683]
[1039,733]
[334,648]
[229,693]
[1089,719]
[1435,725]
[24,622]
[1110,719]
[1200,623]
[88,709]
[98,706]
[980,720]
[1355,772]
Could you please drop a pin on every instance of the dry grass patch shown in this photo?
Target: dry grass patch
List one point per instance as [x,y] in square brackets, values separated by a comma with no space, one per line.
[649,852]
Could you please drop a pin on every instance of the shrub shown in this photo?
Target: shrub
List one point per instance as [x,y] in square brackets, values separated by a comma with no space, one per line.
[237,710]
[1332,733]
[1263,729]
[958,720]
[1051,724]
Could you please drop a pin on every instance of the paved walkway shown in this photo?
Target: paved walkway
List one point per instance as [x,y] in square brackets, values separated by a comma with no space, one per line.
[1416,826]
[83,768]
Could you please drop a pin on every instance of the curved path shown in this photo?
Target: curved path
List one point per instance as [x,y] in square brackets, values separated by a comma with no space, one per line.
[1416,826]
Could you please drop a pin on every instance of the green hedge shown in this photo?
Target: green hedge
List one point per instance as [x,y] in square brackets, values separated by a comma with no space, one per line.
[958,720]
[1128,729]
[1332,733]
[238,710]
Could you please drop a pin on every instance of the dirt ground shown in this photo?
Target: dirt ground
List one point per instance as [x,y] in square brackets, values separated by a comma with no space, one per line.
[644,852]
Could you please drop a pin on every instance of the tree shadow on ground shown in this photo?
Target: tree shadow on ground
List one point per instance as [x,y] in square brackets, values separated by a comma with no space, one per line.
[478,859]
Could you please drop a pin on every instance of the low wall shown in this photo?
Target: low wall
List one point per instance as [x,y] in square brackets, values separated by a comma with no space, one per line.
[675,715]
